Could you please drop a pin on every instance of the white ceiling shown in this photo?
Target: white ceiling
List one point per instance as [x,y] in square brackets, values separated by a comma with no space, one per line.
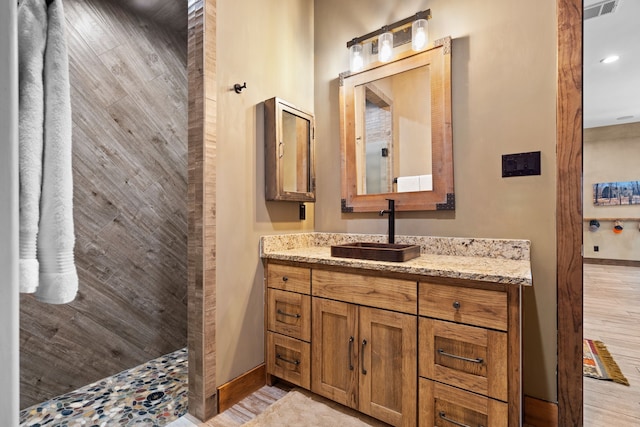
[612,90]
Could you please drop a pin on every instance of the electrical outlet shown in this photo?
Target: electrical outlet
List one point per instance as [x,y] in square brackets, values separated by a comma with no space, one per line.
[596,248]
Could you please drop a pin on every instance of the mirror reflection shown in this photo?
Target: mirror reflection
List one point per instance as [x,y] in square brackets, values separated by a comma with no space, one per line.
[393,138]
[294,151]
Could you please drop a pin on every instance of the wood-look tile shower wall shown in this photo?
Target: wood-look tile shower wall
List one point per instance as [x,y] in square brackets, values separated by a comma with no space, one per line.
[129,100]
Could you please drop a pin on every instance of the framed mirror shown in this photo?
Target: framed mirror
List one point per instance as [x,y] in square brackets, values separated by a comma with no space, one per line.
[289,152]
[396,139]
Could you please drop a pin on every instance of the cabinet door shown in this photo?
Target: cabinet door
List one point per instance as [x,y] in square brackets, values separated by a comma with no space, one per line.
[388,366]
[334,351]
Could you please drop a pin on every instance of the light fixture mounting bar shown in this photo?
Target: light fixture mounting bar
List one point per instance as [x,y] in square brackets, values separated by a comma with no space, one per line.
[425,14]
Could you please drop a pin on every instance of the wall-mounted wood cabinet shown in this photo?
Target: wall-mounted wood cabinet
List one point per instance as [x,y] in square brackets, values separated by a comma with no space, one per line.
[289,152]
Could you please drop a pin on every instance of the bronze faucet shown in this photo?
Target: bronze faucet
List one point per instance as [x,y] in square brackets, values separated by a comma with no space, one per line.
[392,219]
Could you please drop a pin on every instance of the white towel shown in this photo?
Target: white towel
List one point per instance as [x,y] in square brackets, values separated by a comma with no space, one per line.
[32,36]
[58,278]
[408,184]
[426,182]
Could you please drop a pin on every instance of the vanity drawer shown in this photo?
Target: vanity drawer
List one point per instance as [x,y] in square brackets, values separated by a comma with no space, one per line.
[380,292]
[479,307]
[290,314]
[442,405]
[464,356]
[289,278]
[289,359]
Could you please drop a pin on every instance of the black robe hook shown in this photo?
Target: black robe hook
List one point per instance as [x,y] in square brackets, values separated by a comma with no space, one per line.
[239,88]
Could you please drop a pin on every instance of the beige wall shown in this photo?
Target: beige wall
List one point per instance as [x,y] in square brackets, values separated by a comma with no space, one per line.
[504,101]
[269,45]
[611,154]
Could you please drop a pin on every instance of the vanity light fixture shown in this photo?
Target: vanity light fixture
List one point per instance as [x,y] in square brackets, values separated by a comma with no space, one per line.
[419,34]
[385,46]
[387,38]
[356,58]
[610,59]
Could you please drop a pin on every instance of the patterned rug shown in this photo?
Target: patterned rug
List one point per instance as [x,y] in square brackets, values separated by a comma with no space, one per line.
[598,363]
[303,408]
[152,394]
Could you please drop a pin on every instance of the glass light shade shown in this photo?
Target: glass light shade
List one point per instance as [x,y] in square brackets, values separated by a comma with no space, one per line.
[385,47]
[419,34]
[356,59]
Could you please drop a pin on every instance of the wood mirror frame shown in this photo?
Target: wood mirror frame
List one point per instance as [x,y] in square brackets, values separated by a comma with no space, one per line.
[438,58]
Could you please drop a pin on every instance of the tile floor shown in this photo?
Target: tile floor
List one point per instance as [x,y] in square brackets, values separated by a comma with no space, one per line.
[151,394]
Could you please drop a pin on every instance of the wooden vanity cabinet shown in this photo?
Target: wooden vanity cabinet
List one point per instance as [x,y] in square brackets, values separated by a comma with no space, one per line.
[469,354]
[409,351]
[364,341]
[288,320]
[364,358]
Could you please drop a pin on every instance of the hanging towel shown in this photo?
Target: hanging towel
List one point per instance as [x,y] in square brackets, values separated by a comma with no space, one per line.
[32,36]
[58,278]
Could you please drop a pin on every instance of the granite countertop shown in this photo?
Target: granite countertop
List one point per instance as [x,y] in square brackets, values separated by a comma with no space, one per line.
[504,261]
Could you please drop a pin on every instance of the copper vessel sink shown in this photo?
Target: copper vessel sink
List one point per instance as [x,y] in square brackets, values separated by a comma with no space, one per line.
[391,252]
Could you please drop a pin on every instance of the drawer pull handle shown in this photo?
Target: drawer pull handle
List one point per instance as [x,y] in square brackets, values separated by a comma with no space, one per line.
[285,278]
[443,416]
[456,305]
[293,362]
[364,371]
[297,316]
[350,351]
[455,356]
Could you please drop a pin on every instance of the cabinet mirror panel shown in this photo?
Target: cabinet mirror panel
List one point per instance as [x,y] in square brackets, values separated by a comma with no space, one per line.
[289,151]
[396,133]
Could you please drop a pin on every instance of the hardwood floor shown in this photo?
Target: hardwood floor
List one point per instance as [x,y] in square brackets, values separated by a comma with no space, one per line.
[242,412]
[612,315]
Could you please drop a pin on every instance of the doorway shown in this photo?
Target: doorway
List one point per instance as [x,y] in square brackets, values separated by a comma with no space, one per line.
[611,143]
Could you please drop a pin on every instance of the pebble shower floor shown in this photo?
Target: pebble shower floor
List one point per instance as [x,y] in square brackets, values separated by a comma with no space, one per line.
[149,395]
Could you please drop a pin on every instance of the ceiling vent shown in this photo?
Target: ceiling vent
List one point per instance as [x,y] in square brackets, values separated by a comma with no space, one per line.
[599,9]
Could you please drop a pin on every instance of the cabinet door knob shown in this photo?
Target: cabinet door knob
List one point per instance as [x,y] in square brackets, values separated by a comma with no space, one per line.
[285,278]
[456,305]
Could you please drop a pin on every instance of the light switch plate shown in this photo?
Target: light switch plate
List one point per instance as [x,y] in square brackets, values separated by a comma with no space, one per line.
[521,164]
